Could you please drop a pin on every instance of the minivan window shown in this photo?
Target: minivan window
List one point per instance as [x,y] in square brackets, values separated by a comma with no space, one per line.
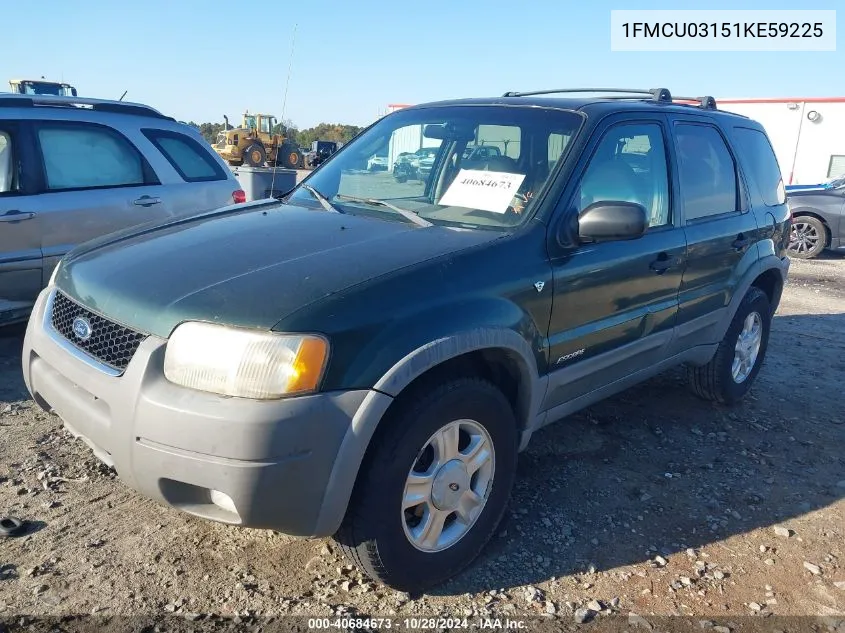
[186,156]
[763,165]
[706,170]
[8,171]
[82,156]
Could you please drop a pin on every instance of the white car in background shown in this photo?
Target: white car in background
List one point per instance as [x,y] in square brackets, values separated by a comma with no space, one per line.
[377,163]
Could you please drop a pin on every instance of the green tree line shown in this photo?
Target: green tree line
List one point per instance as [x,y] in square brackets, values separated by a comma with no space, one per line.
[338,132]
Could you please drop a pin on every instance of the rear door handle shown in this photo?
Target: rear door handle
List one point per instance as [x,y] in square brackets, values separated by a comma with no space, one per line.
[16,216]
[147,201]
[662,263]
[741,242]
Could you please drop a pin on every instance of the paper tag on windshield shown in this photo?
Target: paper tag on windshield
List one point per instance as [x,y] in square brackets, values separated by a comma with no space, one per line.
[485,190]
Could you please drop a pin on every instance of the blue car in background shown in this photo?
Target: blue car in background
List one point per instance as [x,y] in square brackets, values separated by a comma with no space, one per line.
[817,218]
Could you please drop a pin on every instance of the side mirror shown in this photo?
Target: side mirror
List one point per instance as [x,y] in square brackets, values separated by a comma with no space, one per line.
[612,220]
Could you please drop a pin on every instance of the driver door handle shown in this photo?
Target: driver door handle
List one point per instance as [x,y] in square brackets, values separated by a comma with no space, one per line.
[16,216]
[147,201]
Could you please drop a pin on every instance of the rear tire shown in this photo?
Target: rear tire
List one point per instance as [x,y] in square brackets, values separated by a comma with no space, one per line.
[808,237]
[732,370]
[289,157]
[384,532]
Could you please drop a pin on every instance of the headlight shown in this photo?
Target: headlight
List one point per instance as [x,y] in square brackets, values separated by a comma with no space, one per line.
[248,364]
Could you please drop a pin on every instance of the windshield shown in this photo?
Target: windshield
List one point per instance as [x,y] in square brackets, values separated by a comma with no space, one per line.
[249,122]
[455,186]
[46,88]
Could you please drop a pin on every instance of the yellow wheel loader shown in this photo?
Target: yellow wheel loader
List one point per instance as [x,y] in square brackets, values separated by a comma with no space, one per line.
[254,144]
[41,87]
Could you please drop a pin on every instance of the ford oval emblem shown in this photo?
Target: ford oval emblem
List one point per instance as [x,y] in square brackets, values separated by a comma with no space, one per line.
[82,328]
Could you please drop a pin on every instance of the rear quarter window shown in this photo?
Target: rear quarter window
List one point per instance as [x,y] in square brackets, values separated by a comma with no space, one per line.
[762,164]
[190,159]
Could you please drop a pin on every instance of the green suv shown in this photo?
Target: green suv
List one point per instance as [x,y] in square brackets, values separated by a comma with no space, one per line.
[365,358]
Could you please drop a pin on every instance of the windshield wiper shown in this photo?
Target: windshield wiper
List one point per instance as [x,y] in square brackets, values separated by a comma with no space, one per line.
[324,202]
[410,215]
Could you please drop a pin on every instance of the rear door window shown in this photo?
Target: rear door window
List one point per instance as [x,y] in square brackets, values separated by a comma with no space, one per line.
[190,159]
[763,165]
[89,156]
[706,170]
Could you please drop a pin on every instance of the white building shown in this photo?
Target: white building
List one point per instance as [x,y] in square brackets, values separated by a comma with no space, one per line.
[808,134]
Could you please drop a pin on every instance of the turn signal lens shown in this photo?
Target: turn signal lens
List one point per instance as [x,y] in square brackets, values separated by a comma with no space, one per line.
[239,196]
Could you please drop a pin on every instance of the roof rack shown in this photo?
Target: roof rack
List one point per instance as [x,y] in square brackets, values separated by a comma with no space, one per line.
[708,103]
[659,95]
[11,100]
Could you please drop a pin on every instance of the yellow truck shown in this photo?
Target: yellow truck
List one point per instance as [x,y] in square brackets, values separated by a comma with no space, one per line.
[254,144]
[42,87]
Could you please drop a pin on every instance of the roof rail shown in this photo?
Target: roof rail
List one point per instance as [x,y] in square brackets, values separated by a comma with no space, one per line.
[11,100]
[659,95]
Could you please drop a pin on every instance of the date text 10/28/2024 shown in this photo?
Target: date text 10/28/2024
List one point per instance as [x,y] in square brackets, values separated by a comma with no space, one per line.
[416,624]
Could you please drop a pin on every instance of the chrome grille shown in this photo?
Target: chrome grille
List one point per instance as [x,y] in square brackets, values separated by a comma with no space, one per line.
[110,343]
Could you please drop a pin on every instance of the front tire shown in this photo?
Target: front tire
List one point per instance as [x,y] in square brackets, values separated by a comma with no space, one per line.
[254,155]
[731,372]
[808,237]
[434,485]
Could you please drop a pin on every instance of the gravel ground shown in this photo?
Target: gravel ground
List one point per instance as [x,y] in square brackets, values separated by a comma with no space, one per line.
[652,503]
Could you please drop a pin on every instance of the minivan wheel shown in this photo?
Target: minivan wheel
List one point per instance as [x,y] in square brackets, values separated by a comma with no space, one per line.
[434,485]
[808,237]
[731,372]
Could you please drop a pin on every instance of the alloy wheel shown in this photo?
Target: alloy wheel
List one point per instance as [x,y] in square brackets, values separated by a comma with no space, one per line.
[747,347]
[448,485]
[804,237]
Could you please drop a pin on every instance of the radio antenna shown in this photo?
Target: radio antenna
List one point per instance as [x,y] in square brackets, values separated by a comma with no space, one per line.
[284,104]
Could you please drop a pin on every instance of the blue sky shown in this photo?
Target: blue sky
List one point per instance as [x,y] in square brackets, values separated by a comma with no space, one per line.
[200,60]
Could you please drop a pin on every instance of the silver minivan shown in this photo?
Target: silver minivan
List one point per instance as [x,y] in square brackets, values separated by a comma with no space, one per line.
[72,169]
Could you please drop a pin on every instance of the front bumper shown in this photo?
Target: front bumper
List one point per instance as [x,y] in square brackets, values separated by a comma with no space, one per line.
[281,464]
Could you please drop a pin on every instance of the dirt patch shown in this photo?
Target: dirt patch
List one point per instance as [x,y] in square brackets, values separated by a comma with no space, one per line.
[652,502]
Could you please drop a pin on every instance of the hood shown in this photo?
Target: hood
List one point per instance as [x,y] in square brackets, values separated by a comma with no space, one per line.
[248,266]
[803,191]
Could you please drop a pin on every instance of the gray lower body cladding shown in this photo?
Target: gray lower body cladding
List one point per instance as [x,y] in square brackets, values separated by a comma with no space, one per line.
[263,464]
